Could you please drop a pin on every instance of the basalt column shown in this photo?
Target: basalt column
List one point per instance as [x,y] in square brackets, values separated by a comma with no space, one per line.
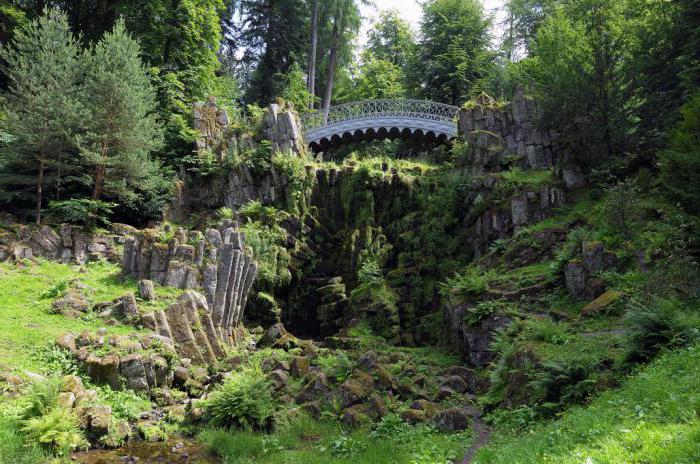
[217,262]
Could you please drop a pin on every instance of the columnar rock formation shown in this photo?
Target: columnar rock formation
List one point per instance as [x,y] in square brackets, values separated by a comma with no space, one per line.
[495,132]
[215,261]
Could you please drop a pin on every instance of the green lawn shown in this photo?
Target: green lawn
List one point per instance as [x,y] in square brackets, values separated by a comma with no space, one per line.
[307,441]
[25,316]
[654,418]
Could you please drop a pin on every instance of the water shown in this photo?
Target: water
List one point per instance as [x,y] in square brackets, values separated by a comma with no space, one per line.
[173,451]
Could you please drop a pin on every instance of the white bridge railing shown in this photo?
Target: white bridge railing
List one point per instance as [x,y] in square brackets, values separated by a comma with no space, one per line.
[374,109]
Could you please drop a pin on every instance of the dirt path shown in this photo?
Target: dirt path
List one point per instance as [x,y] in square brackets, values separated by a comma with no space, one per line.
[483,433]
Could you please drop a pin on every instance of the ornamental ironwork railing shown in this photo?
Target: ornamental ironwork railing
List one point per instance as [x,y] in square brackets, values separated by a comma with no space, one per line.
[374,109]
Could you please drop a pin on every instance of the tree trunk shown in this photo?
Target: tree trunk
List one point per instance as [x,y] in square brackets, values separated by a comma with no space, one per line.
[311,80]
[332,58]
[99,180]
[40,187]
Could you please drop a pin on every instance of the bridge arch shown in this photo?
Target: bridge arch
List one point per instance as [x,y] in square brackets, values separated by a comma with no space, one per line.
[380,119]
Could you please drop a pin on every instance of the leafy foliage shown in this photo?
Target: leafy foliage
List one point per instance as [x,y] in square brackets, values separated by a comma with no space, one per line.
[58,429]
[662,324]
[83,211]
[244,400]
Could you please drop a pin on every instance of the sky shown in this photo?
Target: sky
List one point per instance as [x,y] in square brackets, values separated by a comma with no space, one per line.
[410,10]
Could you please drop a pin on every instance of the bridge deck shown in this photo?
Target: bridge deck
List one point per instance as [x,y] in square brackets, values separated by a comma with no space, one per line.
[381,117]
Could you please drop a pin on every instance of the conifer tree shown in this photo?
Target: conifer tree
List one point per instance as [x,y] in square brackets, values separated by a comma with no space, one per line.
[42,105]
[122,129]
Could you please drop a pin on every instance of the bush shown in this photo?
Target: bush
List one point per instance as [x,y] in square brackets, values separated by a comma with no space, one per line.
[244,401]
[473,281]
[560,385]
[83,211]
[58,429]
[664,323]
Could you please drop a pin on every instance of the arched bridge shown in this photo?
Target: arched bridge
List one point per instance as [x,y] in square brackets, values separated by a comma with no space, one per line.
[380,119]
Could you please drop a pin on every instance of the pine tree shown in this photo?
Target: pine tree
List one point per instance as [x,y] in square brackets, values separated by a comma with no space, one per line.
[122,127]
[43,67]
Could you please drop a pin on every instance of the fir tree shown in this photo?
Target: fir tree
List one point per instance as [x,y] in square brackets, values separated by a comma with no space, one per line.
[42,105]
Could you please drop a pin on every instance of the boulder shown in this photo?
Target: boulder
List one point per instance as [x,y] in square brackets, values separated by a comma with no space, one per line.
[278,378]
[317,387]
[444,392]
[134,371]
[100,419]
[66,400]
[455,383]
[354,416]
[414,416]
[300,366]
[431,409]
[147,290]
[467,374]
[355,389]
[575,275]
[602,303]
[67,342]
[452,420]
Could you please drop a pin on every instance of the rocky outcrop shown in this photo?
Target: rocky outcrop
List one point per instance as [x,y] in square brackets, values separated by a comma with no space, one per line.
[580,274]
[282,127]
[65,244]
[495,132]
[473,340]
[504,221]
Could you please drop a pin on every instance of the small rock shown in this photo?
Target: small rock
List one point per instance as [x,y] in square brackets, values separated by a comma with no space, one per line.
[452,420]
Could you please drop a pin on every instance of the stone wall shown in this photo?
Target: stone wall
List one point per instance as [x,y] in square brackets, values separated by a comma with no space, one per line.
[498,133]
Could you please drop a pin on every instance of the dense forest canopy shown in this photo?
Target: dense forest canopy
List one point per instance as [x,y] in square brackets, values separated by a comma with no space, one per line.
[613,74]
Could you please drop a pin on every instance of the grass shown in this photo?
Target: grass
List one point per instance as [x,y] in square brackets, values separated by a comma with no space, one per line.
[33,326]
[15,449]
[654,418]
[307,441]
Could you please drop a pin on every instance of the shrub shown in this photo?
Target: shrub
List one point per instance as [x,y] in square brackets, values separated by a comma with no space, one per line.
[83,211]
[338,365]
[58,429]
[486,308]
[664,323]
[244,400]
[473,281]
[560,385]
[57,360]
[224,213]
[541,329]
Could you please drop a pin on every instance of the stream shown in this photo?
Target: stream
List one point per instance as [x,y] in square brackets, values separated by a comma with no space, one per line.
[176,450]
